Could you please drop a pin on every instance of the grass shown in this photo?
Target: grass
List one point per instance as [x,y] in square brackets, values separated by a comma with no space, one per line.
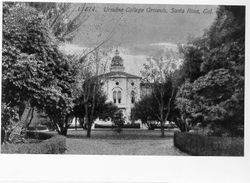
[128,142]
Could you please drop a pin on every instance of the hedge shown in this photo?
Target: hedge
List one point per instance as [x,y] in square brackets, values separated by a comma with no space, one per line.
[39,135]
[200,145]
[38,128]
[50,144]
[136,125]
[103,126]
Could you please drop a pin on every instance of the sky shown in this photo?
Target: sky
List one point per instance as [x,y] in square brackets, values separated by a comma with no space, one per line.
[139,30]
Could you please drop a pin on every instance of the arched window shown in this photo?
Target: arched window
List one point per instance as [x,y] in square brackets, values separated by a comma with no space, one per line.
[132,97]
[114,96]
[119,96]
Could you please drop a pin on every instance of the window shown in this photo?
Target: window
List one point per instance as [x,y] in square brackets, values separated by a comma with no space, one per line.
[132,83]
[114,96]
[132,97]
[119,96]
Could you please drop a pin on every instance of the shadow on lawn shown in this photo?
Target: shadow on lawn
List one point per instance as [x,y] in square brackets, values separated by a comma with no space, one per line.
[124,135]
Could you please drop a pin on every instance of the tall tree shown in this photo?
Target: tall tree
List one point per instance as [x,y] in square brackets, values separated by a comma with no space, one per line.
[144,110]
[159,72]
[63,19]
[102,109]
[220,68]
[32,64]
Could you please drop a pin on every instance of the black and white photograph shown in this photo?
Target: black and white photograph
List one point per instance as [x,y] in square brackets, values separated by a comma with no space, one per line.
[123,80]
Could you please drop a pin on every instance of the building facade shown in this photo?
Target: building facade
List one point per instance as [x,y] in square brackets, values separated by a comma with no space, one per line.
[121,88]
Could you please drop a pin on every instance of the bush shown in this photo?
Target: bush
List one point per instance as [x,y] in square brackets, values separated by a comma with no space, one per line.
[103,126]
[133,125]
[39,135]
[51,144]
[200,145]
[38,128]
[119,121]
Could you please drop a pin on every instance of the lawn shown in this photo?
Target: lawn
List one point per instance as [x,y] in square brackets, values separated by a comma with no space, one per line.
[128,142]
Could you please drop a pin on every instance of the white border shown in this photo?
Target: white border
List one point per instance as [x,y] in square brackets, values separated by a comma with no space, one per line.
[83,168]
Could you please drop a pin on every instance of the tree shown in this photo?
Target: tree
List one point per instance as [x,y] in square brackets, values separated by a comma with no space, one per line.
[9,118]
[142,110]
[221,46]
[59,108]
[103,110]
[119,120]
[193,55]
[33,67]
[218,89]
[90,84]
[159,73]
[63,19]
[189,108]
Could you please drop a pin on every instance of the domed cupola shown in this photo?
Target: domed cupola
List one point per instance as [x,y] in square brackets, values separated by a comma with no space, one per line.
[117,63]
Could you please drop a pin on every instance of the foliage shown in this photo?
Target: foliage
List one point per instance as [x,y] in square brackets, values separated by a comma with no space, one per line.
[188,108]
[61,18]
[200,145]
[103,110]
[214,70]
[119,121]
[9,117]
[54,145]
[222,46]
[59,108]
[159,72]
[35,72]
[190,68]
[143,110]
[226,40]
[213,97]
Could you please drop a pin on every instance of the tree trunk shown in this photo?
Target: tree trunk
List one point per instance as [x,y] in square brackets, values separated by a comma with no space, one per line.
[162,129]
[64,131]
[76,119]
[31,117]
[65,125]
[2,135]
[81,121]
[16,134]
[162,112]
[88,122]
[89,131]
[162,118]
[91,117]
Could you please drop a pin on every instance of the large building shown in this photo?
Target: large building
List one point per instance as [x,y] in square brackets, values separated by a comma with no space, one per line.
[121,88]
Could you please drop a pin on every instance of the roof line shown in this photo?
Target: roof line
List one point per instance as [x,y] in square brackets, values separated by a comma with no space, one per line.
[119,72]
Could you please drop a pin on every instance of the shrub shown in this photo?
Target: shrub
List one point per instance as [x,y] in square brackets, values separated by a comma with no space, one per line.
[119,121]
[51,144]
[132,125]
[200,145]
[39,135]
[103,126]
[38,128]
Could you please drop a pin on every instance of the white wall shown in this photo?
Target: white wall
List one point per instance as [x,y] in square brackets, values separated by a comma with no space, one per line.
[125,86]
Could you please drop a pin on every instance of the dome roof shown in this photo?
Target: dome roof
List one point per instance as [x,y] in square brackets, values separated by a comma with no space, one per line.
[117,60]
